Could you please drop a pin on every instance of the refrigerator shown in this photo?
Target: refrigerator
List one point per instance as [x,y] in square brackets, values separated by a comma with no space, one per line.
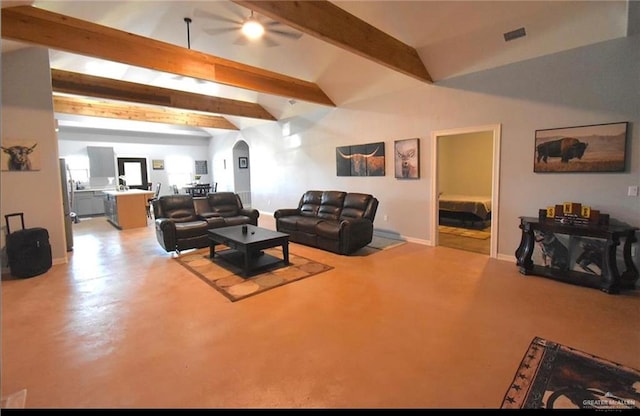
[66,182]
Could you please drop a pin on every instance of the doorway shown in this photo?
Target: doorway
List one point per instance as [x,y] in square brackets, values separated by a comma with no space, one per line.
[134,170]
[451,180]
[242,172]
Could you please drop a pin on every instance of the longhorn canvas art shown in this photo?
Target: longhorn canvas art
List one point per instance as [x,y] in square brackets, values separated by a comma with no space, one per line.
[407,158]
[20,155]
[360,160]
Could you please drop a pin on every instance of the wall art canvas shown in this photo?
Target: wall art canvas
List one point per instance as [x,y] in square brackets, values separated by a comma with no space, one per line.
[20,155]
[594,148]
[407,158]
[360,160]
[157,164]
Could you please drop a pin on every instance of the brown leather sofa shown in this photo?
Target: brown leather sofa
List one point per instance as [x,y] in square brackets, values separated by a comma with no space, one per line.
[182,221]
[336,221]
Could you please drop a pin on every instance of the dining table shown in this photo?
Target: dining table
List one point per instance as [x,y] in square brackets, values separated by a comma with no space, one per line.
[197,189]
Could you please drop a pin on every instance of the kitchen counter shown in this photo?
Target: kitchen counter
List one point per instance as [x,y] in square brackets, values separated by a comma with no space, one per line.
[127,209]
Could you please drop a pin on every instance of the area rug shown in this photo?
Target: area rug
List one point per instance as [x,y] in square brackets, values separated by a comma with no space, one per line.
[464,232]
[554,376]
[226,277]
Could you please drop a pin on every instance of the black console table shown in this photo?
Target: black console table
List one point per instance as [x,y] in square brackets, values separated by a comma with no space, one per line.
[580,254]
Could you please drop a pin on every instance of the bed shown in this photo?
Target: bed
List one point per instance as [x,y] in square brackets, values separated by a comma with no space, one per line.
[465,208]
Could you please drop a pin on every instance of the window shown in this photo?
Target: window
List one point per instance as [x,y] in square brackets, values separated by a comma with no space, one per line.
[179,170]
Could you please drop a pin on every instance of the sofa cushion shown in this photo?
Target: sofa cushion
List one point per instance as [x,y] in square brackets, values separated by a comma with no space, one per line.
[331,205]
[224,204]
[328,229]
[307,224]
[191,229]
[309,203]
[355,205]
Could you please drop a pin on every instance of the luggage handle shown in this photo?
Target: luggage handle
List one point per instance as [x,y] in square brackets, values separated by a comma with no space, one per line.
[15,214]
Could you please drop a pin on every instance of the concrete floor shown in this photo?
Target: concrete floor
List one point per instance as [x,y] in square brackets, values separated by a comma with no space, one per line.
[123,325]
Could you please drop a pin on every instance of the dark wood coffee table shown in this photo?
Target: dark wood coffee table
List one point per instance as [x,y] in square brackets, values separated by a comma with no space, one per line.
[247,248]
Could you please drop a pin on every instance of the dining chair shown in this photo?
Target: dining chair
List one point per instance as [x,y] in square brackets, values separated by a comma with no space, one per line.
[175,189]
[150,201]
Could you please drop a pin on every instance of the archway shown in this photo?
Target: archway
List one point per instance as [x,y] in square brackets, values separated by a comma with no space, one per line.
[242,172]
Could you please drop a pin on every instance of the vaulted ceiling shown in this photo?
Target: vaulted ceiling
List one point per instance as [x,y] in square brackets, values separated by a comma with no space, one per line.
[134,51]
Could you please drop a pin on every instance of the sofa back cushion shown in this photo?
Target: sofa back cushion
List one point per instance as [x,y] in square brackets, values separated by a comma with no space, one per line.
[331,205]
[226,204]
[356,206]
[310,203]
[178,208]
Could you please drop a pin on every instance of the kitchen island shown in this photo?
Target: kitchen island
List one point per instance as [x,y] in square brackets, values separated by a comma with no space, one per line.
[127,209]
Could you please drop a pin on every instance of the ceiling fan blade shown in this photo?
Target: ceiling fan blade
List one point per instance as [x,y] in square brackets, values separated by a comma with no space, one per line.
[214,32]
[208,15]
[286,34]
[241,40]
[269,42]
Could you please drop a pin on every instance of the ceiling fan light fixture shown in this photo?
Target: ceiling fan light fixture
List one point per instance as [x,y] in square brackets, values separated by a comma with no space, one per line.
[252,28]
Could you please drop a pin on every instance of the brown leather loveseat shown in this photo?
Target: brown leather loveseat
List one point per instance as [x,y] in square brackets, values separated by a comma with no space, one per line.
[336,221]
[182,221]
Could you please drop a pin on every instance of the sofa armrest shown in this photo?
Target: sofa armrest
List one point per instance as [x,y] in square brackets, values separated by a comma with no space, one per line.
[355,233]
[285,212]
[166,233]
[251,213]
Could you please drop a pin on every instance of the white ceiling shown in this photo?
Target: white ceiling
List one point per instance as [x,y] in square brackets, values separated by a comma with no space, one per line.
[453,38]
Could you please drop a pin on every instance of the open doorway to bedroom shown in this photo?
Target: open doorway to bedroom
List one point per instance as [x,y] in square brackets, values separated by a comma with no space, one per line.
[465,165]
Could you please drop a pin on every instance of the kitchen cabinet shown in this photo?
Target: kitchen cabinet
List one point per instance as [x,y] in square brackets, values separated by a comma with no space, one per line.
[101,162]
[127,209]
[88,203]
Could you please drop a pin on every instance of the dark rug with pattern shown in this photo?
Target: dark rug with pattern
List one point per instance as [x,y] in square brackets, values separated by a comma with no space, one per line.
[554,376]
[226,277]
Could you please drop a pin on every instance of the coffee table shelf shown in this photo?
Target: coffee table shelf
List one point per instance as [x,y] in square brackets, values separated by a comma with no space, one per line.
[247,248]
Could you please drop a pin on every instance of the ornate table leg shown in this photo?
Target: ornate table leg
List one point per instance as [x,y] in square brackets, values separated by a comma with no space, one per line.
[525,250]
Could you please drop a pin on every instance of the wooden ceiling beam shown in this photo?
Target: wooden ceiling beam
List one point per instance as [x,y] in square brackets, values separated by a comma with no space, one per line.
[99,87]
[41,27]
[328,22]
[94,108]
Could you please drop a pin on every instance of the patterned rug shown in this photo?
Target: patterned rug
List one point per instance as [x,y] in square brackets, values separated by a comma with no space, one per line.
[226,277]
[554,376]
[465,232]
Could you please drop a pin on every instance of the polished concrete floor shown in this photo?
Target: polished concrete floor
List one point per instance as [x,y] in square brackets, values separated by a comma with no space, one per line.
[123,325]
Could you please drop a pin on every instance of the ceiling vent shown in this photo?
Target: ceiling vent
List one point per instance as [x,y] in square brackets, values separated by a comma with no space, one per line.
[514,34]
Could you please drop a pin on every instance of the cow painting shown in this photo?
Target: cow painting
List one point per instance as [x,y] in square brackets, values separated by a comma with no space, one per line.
[19,157]
[566,149]
[359,161]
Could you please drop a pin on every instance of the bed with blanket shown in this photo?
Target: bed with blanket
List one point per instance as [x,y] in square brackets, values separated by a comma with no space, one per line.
[465,208]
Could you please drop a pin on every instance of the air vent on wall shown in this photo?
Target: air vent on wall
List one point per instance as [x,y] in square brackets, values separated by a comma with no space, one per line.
[514,34]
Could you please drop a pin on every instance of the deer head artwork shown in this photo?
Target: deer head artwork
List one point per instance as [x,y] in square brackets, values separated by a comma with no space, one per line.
[406,161]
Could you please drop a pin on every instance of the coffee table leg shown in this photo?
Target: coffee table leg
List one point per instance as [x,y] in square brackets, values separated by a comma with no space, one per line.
[247,258]
[285,252]
[212,249]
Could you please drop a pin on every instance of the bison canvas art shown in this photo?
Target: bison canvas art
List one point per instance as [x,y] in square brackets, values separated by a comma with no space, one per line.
[20,155]
[594,148]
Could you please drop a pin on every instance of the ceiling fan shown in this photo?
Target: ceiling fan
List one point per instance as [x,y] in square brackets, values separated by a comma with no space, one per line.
[188,21]
[250,28]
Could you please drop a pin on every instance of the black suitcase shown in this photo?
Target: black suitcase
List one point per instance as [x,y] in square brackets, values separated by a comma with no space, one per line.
[28,249]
